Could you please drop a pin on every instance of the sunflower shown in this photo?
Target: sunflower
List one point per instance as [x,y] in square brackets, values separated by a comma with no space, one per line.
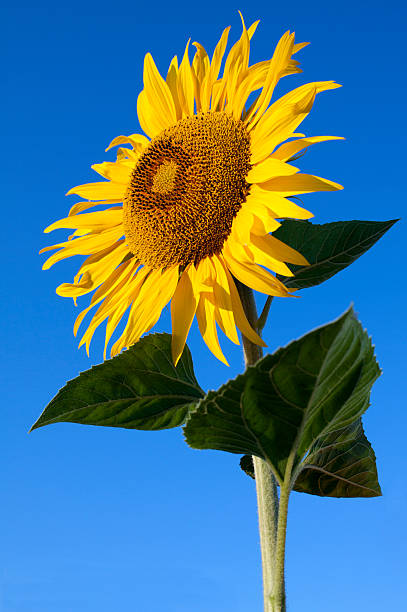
[191,207]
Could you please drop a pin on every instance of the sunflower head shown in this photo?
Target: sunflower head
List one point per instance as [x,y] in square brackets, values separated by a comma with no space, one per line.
[186,189]
[191,206]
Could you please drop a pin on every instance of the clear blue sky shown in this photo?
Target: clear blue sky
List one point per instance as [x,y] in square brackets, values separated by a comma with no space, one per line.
[107,520]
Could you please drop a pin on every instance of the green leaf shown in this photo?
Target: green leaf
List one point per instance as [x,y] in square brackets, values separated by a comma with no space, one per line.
[340,464]
[329,248]
[139,389]
[280,407]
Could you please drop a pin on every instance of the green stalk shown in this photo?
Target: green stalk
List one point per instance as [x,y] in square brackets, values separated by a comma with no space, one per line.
[278,599]
[266,488]
[267,504]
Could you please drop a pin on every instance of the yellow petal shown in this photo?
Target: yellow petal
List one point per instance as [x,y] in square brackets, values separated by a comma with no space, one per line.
[100,191]
[171,80]
[253,217]
[289,149]
[279,126]
[282,118]
[185,85]
[206,274]
[81,206]
[237,79]
[242,224]
[103,312]
[300,183]
[280,250]
[158,94]
[239,314]
[113,285]
[213,72]
[159,297]
[117,310]
[128,292]
[137,141]
[223,301]
[280,207]
[236,65]
[127,157]
[82,246]
[114,171]
[95,270]
[205,314]
[105,218]
[278,64]
[124,273]
[299,93]
[199,69]
[116,252]
[263,223]
[252,29]
[250,274]
[148,119]
[114,319]
[262,257]
[143,285]
[183,308]
[248,84]
[200,63]
[268,169]
[299,46]
[256,75]
[255,78]
[154,295]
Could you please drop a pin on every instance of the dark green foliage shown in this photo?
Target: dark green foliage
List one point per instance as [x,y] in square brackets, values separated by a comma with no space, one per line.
[139,389]
[297,410]
[329,248]
[340,464]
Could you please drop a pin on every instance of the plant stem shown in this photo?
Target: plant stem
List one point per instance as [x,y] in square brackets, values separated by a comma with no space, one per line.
[261,321]
[252,352]
[266,488]
[267,504]
[278,598]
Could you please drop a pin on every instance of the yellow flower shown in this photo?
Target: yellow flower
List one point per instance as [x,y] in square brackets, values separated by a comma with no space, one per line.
[193,205]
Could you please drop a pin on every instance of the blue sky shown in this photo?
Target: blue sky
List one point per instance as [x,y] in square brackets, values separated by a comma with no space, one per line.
[108,519]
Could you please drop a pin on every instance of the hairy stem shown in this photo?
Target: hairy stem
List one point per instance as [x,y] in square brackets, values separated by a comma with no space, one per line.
[278,600]
[267,503]
[252,352]
[266,488]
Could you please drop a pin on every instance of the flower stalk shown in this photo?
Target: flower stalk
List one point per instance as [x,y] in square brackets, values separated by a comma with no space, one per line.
[278,599]
[271,524]
[267,504]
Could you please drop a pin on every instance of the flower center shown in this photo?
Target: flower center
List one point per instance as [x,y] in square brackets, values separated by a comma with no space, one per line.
[186,189]
[164,178]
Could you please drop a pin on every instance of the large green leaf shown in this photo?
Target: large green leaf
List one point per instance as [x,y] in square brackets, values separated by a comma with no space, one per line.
[340,464]
[139,389]
[329,248]
[280,407]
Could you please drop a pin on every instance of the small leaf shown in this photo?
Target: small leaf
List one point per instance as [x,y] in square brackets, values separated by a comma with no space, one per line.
[340,464]
[281,406]
[329,248]
[246,463]
[139,389]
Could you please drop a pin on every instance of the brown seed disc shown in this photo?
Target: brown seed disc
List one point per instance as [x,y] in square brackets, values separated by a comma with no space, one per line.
[186,189]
